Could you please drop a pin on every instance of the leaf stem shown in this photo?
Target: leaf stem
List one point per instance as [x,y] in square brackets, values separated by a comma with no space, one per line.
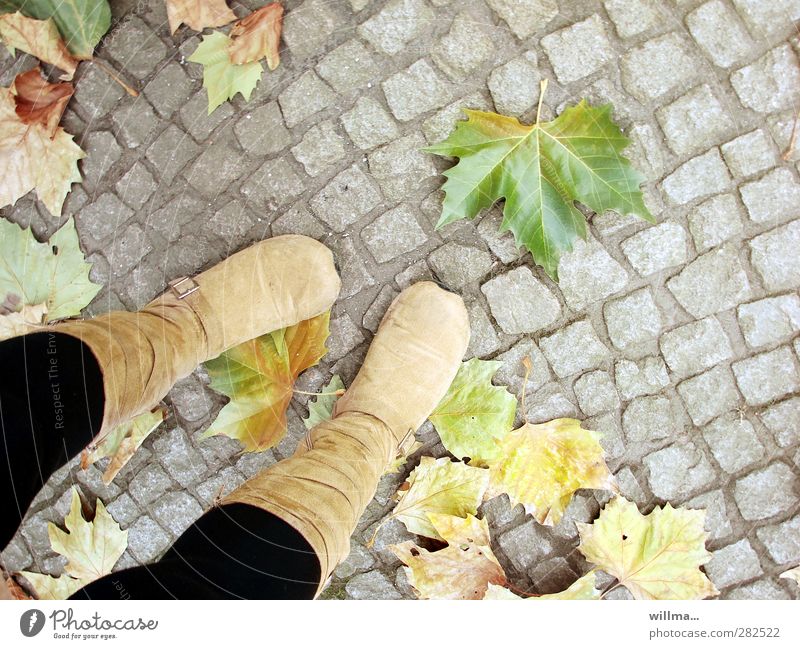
[113,74]
[792,139]
[336,393]
[542,90]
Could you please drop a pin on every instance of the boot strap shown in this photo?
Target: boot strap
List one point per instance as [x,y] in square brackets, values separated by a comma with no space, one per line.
[183,287]
[402,447]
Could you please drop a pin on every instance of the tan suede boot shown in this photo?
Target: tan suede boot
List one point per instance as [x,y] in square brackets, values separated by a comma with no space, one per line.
[272,284]
[323,490]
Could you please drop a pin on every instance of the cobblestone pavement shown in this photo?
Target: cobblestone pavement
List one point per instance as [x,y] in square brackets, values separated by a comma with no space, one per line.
[677,340]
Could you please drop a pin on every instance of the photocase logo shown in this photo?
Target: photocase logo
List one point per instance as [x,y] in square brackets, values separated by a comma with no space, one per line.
[31,622]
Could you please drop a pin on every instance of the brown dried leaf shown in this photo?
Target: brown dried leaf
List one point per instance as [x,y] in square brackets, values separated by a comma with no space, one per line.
[257,36]
[39,38]
[198,14]
[41,102]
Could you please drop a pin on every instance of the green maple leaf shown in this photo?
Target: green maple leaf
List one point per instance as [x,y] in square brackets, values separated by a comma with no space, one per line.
[474,414]
[540,171]
[81,23]
[222,78]
[321,408]
[53,273]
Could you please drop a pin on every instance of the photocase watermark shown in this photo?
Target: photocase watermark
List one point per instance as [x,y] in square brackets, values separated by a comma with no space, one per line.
[66,626]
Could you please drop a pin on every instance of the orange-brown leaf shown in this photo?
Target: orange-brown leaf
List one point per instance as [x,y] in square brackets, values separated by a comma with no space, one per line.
[198,14]
[257,36]
[39,38]
[41,102]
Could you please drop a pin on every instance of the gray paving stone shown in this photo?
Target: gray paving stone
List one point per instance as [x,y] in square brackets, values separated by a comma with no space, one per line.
[466,47]
[298,220]
[648,419]
[658,67]
[550,402]
[512,371]
[348,197]
[782,541]
[678,471]
[394,233]
[733,442]
[396,25]
[596,393]
[525,17]
[218,486]
[642,377]
[695,347]
[135,47]
[261,131]
[774,256]
[520,303]
[439,125]
[783,421]
[761,589]
[612,440]
[374,314]
[634,17]
[146,540]
[349,67]
[171,151]
[250,464]
[232,222]
[709,395]
[305,97]
[169,89]
[104,218]
[320,149]
[771,83]
[127,249]
[458,266]
[416,90]
[717,522]
[767,377]
[515,85]
[149,484]
[749,154]
[307,28]
[766,19]
[220,161]
[632,319]
[579,50]
[715,221]
[629,486]
[713,282]
[773,198]
[780,127]
[135,122]
[195,118]
[695,121]
[657,248]
[501,244]
[526,544]
[181,460]
[369,124]
[733,564]
[483,339]
[401,167]
[176,511]
[720,33]
[702,176]
[770,320]
[359,560]
[136,186]
[573,349]
[95,94]
[371,585]
[766,493]
[352,269]
[273,184]
[588,274]
[102,151]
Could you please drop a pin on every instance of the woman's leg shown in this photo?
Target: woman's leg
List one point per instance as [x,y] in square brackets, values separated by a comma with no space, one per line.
[51,406]
[235,551]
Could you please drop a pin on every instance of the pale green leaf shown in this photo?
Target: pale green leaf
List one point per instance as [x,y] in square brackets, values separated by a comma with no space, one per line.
[47,587]
[321,408]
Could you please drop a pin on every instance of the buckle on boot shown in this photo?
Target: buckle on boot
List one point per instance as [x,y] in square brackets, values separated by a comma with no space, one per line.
[183,287]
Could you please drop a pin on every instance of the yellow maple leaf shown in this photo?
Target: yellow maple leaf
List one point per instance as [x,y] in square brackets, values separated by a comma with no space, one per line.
[465,569]
[122,442]
[257,36]
[583,588]
[198,14]
[542,465]
[92,548]
[657,556]
[39,38]
[439,487]
[35,153]
[792,573]
[259,377]
[23,321]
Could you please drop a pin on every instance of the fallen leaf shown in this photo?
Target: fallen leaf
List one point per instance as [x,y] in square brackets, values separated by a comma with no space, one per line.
[495,591]
[465,569]
[81,23]
[542,465]
[540,171]
[91,549]
[32,157]
[321,408]
[54,273]
[122,442]
[399,462]
[583,588]
[21,322]
[198,14]
[39,102]
[257,36]
[39,38]
[259,377]
[657,556]
[439,486]
[15,591]
[474,414]
[222,78]
[792,573]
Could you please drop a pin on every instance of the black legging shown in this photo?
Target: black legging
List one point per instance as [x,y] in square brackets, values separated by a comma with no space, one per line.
[51,405]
